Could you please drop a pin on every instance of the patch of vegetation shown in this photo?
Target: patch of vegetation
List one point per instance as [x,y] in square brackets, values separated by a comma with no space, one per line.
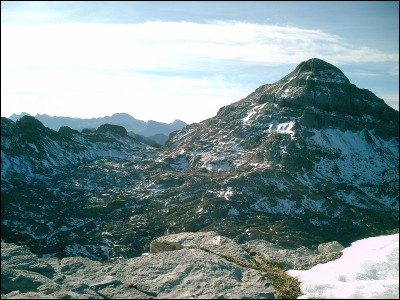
[286,286]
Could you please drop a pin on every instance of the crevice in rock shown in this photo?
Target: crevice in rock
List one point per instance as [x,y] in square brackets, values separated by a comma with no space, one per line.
[134,286]
[287,287]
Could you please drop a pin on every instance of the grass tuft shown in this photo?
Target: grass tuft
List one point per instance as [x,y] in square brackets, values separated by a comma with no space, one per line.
[286,286]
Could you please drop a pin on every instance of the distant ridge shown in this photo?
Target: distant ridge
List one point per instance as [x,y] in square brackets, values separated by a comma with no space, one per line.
[147,129]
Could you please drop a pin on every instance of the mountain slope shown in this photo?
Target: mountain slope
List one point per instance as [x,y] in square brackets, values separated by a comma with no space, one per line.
[31,149]
[311,149]
[308,159]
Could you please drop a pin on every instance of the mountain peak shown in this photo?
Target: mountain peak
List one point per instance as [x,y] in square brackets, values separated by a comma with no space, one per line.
[320,70]
[15,117]
[29,122]
[112,129]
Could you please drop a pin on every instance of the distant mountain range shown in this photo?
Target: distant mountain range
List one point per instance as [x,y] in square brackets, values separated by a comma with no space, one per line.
[153,130]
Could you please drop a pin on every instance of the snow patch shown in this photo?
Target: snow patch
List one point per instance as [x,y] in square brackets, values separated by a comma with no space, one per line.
[256,109]
[33,146]
[282,128]
[226,194]
[368,269]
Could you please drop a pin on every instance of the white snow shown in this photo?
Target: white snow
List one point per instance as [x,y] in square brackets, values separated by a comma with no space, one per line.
[283,128]
[368,269]
[33,146]
[255,110]
[362,157]
[226,194]
[346,142]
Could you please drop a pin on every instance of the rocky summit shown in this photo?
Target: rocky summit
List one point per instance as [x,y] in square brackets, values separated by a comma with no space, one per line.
[311,155]
[306,160]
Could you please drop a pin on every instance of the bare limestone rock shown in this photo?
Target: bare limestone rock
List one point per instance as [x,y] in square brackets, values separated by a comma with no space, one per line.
[333,246]
[208,241]
[301,258]
[187,265]
[193,273]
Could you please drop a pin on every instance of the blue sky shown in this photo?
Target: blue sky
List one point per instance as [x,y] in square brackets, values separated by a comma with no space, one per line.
[185,60]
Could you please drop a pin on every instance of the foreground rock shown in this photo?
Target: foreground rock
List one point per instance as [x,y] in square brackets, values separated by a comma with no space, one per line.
[206,241]
[193,273]
[181,266]
[24,275]
[185,273]
[296,259]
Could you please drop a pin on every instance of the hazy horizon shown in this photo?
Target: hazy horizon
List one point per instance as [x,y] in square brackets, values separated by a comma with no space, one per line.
[164,61]
[34,115]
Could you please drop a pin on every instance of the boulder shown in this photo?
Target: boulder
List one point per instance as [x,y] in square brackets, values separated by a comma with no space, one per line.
[193,273]
[206,241]
[333,246]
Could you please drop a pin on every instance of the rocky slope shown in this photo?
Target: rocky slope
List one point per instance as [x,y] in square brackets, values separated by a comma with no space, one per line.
[310,153]
[30,149]
[206,265]
[59,189]
[308,159]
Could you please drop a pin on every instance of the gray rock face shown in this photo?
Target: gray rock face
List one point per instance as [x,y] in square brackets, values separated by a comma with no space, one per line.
[296,259]
[193,273]
[330,247]
[202,265]
[209,241]
[181,274]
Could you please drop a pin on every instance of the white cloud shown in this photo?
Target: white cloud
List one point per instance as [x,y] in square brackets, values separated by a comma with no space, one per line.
[390,99]
[155,45]
[112,62]
[394,70]
[363,73]
[92,94]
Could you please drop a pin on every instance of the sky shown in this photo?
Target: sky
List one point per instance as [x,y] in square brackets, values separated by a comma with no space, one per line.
[183,60]
[368,269]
